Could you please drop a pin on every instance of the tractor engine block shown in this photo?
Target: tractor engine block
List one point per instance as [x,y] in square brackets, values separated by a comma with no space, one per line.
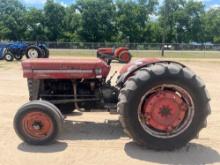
[87,94]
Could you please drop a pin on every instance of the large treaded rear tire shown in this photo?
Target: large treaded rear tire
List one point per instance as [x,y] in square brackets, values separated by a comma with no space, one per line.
[146,79]
[124,57]
[38,108]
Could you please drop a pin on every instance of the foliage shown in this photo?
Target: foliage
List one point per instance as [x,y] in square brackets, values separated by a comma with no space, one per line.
[212,28]
[12,24]
[175,21]
[97,20]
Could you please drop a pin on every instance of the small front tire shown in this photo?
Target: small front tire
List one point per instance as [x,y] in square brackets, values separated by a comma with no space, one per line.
[38,123]
[9,57]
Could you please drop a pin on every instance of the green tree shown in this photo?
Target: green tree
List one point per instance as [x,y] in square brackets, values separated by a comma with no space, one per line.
[182,21]
[167,18]
[153,32]
[35,25]
[97,23]
[72,24]
[133,18]
[12,22]
[195,12]
[212,25]
[54,16]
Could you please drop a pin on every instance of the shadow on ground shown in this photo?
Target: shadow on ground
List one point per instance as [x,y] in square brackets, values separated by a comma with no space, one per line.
[79,130]
[191,154]
[110,129]
[83,130]
[55,147]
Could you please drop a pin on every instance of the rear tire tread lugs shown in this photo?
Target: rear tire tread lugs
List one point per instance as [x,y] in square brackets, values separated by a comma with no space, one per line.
[126,93]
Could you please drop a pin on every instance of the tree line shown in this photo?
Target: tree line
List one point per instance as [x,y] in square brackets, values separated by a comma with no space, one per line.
[175,21]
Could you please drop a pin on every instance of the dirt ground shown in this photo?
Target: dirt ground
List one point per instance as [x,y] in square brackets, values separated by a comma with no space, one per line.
[95,138]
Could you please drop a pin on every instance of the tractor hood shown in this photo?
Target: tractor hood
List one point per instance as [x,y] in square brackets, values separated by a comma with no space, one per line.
[65,68]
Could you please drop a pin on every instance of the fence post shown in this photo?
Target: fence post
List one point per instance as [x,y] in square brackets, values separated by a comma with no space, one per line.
[162,50]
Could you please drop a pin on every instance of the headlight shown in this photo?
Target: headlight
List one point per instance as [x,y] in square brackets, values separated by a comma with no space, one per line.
[98,71]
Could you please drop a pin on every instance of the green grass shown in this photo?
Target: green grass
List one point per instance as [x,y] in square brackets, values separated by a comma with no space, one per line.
[139,53]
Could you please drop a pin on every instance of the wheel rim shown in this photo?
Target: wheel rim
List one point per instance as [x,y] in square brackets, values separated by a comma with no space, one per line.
[125,57]
[8,57]
[166,111]
[32,53]
[37,125]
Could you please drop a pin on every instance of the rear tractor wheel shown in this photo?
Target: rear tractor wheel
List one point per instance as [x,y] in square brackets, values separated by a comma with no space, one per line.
[34,52]
[163,106]
[124,57]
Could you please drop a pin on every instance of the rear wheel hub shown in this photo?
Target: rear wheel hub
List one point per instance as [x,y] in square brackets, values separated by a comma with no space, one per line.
[32,53]
[164,111]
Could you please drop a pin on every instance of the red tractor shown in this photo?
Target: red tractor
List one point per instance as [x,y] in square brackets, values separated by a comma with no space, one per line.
[162,104]
[120,54]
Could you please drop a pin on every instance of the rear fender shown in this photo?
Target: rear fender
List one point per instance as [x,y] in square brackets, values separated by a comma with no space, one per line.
[119,50]
[124,76]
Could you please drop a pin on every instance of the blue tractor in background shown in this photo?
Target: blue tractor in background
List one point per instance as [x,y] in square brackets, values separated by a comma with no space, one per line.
[17,50]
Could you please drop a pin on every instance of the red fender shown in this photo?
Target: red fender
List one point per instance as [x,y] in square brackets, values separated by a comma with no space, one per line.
[129,69]
[137,64]
[119,50]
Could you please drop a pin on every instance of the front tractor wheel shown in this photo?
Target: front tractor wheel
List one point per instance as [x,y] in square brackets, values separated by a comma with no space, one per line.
[38,122]
[9,57]
[163,106]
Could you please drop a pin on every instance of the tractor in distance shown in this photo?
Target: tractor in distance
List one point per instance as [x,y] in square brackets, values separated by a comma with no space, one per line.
[16,50]
[120,54]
